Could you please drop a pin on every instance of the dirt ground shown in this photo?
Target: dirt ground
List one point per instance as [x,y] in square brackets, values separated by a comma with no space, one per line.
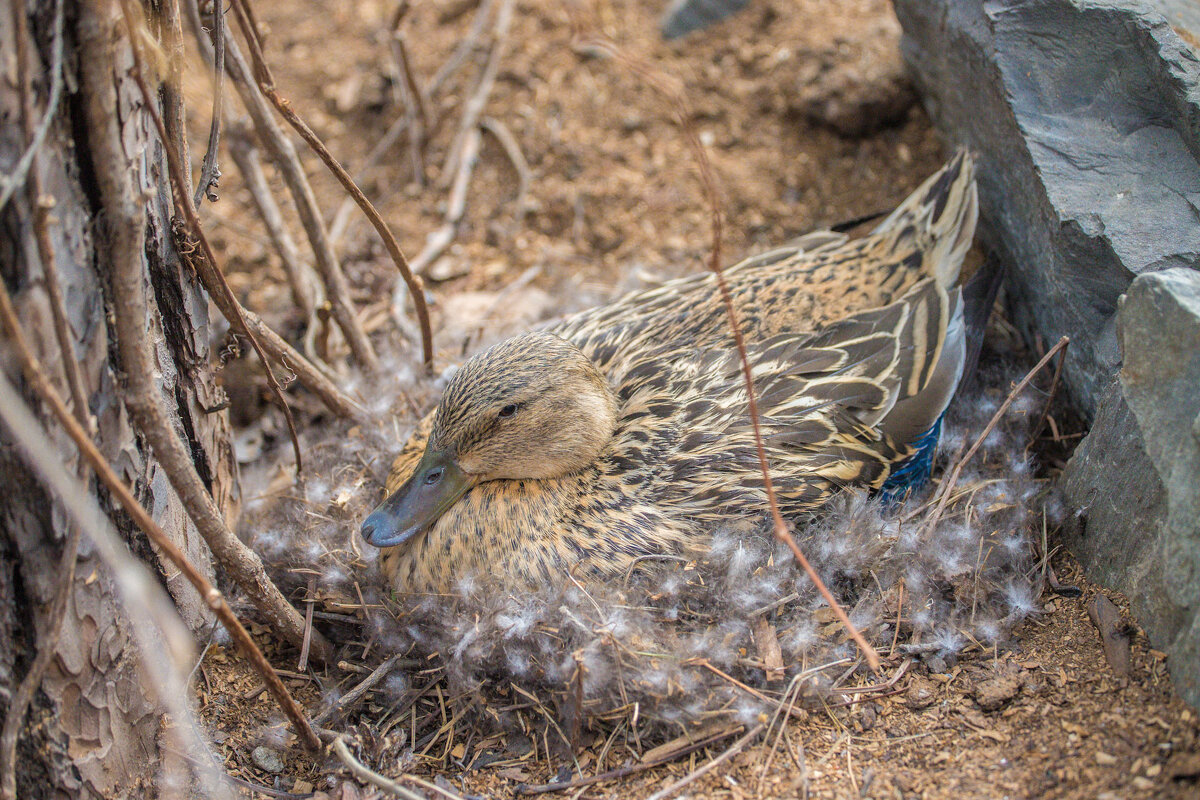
[781,106]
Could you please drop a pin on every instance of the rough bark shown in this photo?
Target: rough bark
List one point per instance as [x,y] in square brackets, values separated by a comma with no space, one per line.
[93,730]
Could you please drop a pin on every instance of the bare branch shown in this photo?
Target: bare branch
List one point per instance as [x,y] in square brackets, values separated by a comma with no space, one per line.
[210,172]
[364,773]
[283,155]
[947,487]
[10,183]
[456,206]
[513,150]
[284,108]
[477,102]
[125,222]
[121,492]
[162,639]
[305,292]
[47,640]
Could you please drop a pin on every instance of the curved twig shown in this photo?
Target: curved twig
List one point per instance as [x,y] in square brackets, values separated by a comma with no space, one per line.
[267,87]
[121,492]
[14,181]
[157,630]
[674,95]
[283,155]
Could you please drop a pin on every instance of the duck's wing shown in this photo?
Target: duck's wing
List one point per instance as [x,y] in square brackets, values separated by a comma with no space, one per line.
[839,407]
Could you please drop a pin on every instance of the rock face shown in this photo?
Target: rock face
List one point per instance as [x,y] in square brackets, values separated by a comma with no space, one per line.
[1086,120]
[1085,115]
[1135,479]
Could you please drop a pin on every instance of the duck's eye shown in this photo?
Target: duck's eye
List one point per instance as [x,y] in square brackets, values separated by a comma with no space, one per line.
[433,476]
[508,410]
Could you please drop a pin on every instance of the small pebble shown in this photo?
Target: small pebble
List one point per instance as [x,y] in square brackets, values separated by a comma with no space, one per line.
[1105,759]
[267,760]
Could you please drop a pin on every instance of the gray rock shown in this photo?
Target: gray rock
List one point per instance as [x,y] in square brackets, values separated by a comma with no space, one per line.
[1136,477]
[267,760]
[1085,115]
[685,16]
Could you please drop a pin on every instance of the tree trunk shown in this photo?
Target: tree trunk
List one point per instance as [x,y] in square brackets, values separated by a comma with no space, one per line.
[93,729]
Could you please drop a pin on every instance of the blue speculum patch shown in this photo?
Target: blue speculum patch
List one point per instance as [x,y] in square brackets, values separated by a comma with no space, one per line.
[912,473]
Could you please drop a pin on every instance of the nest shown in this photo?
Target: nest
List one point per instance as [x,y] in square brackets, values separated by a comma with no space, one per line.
[720,643]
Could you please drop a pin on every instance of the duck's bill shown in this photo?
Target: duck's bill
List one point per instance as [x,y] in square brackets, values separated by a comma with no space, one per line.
[436,485]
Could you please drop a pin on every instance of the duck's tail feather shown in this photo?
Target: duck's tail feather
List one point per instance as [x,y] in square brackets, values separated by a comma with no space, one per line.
[979,295]
[938,219]
[933,348]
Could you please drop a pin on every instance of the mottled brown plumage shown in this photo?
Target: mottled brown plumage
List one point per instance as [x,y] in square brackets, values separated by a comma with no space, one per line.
[622,432]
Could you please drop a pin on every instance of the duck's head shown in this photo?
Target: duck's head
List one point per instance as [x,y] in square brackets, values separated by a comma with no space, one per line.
[531,407]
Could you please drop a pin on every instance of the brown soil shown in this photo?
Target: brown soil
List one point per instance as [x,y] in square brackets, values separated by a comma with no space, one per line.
[614,203]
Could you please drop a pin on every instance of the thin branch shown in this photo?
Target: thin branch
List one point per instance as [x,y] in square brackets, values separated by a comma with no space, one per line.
[623,772]
[437,242]
[513,150]
[283,155]
[364,773]
[1036,430]
[41,212]
[160,635]
[10,183]
[351,698]
[245,155]
[477,102]
[124,496]
[266,86]
[210,171]
[179,183]
[410,80]
[950,483]
[125,224]
[673,92]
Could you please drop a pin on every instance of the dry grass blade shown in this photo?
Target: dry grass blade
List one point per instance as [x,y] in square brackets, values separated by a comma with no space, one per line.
[674,95]
[267,87]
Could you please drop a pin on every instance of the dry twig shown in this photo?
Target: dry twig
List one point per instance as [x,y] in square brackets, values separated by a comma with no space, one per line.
[671,90]
[283,155]
[266,85]
[477,102]
[210,171]
[125,225]
[733,750]
[952,481]
[122,494]
[364,773]
[456,206]
[306,292]
[160,635]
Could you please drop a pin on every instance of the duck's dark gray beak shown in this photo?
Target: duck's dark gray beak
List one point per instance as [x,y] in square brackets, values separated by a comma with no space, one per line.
[436,485]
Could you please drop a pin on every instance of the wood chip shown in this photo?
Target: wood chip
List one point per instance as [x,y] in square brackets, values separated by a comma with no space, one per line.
[1107,619]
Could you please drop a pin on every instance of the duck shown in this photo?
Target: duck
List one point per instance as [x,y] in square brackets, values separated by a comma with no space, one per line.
[620,435]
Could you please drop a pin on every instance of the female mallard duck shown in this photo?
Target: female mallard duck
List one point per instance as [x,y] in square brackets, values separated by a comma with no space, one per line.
[619,432]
